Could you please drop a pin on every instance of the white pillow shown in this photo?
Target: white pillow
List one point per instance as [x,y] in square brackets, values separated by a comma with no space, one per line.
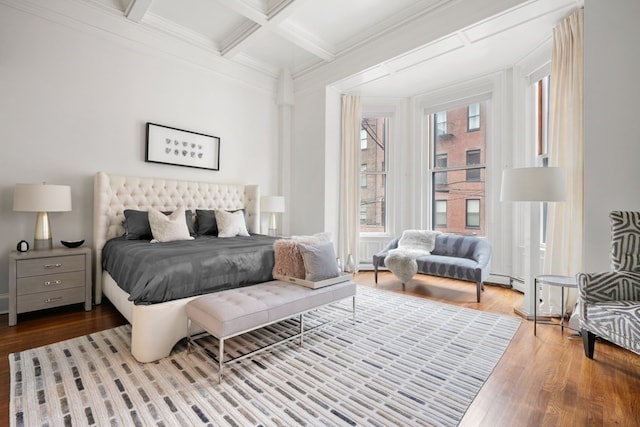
[231,224]
[167,228]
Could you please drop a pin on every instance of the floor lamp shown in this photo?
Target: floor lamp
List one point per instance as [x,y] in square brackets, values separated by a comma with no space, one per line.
[537,184]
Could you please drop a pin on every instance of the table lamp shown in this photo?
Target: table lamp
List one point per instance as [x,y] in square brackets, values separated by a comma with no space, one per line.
[273,205]
[42,198]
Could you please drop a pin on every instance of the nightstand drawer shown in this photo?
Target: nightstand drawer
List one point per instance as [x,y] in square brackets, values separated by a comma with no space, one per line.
[50,265]
[43,300]
[50,282]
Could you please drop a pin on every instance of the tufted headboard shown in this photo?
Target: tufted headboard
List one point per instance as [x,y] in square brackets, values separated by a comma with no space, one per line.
[112,194]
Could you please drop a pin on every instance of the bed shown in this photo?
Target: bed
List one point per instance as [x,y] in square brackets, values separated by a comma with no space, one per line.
[156,327]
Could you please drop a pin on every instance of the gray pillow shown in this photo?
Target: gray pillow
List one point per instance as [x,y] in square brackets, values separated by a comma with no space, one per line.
[319,261]
[137,227]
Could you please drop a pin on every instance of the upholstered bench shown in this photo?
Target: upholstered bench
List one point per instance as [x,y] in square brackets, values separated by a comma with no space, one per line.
[233,312]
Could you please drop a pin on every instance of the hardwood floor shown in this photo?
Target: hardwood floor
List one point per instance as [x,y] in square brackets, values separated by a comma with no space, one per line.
[541,381]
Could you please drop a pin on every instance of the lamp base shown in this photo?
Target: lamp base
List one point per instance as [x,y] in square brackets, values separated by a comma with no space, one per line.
[42,244]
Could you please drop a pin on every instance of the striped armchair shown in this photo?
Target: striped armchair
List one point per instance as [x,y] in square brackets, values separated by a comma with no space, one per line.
[609,302]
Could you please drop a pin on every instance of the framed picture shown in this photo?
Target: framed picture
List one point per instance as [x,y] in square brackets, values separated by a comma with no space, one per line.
[173,146]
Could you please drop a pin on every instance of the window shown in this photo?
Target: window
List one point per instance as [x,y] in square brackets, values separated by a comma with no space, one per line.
[440,214]
[373,174]
[473,213]
[363,139]
[541,107]
[473,158]
[473,117]
[441,123]
[457,172]
[440,178]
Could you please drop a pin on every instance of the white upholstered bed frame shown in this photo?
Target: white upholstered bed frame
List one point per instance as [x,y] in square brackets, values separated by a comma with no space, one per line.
[156,328]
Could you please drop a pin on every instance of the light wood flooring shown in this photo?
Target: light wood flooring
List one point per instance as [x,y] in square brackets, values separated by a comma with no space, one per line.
[540,381]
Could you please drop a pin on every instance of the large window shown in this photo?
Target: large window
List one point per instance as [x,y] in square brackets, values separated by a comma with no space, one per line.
[373,174]
[457,169]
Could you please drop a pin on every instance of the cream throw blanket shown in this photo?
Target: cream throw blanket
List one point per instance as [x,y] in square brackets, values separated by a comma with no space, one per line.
[412,244]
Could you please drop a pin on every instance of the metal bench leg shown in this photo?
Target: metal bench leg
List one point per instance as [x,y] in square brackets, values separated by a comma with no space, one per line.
[301,328]
[220,360]
[188,336]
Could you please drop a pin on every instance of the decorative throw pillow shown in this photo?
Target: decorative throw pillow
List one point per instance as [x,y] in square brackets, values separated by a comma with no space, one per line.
[231,224]
[137,227]
[319,261]
[167,228]
[288,260]
[206,222]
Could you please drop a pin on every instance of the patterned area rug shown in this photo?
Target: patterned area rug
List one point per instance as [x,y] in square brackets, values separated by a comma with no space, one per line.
[405,361]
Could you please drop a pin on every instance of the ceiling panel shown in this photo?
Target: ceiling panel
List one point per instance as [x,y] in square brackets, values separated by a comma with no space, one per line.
[337,21]
[206,17]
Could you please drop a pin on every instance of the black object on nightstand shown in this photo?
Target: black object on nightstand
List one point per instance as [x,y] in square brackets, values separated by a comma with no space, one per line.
[72,243]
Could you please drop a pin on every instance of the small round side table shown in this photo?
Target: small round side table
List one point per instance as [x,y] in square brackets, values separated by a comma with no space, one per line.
[552,280]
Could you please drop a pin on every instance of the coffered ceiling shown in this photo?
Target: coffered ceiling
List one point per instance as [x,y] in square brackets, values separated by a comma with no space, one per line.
[304,36]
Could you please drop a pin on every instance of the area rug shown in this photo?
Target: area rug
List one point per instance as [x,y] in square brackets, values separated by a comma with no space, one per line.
[405,361]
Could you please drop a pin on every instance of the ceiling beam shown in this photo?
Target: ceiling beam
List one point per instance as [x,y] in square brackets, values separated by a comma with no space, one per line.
[247,10]
[275,21]
[137,9]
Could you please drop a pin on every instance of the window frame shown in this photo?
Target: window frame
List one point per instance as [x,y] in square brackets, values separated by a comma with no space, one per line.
[475,116]
[467,213]
[437,213]
[473,170]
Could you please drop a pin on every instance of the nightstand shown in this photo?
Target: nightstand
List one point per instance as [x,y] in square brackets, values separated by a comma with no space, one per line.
[48,278]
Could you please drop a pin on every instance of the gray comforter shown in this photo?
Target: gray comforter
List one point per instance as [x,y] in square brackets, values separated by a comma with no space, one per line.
[158,272]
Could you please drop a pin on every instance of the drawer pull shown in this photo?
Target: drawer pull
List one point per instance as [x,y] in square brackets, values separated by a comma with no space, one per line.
[56,265]
[53,282]
[53,299]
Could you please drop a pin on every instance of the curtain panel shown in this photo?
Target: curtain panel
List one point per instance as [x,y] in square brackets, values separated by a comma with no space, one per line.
[350,182]
[563,254]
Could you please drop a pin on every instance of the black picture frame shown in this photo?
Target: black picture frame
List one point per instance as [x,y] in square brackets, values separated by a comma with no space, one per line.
[172,146]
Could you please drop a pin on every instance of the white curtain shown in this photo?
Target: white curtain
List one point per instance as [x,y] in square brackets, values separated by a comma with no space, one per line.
[563,253]
[350,182]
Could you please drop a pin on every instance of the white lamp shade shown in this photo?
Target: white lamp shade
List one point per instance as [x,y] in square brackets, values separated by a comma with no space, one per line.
[272,204]
[538,184]
[41,198]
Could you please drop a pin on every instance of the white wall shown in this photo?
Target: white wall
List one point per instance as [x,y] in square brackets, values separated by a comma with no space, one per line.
[75,101]
[612,128]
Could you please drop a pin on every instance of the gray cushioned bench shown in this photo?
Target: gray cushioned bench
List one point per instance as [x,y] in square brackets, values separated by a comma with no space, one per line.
[233,312]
